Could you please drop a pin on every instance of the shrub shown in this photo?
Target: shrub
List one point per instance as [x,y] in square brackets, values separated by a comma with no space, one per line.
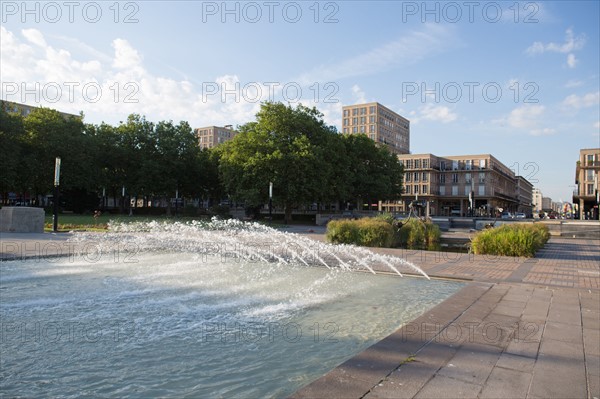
[416,234]
[511,240]
[368,232]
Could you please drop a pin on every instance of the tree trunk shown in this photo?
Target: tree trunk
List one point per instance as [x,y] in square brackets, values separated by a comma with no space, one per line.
[288,213]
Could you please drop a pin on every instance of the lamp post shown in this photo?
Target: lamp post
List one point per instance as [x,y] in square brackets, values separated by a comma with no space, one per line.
[56,193]
[270,202]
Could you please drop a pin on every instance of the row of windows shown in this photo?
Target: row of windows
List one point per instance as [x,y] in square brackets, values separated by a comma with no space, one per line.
[446,165]
[359,111]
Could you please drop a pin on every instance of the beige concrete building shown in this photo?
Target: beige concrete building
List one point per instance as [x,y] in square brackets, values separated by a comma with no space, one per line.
[585,196]
[211,136]
[464,185]
[537,200]
[379,123]
[25,109]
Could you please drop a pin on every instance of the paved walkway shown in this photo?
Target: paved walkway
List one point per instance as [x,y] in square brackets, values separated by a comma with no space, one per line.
[524,328]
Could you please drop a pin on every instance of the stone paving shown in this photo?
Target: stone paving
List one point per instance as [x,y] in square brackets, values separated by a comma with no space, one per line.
[524,328]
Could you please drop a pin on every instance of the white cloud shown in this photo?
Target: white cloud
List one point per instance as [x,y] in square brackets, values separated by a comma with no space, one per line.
[597,125]
[34,36]
[573,83]
[543,132]
[358,94]
[585,101]
[525,117]
[408,49]
[571,60]
[570,44]
[120,84]
[433,113]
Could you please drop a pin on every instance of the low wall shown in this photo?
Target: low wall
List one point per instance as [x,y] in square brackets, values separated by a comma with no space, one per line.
[21,219]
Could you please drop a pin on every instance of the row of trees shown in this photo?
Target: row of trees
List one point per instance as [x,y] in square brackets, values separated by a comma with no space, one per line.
[292,147]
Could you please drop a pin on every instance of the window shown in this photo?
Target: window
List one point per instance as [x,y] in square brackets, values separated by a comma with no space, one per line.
[443,165]
[409,164]
[346,122]
[416,189]
[372,129]
[482,163]
[355,112]
[372,109]
[416,177]
[346,130]
[417,164]
[424,189]
[590,189]
[468,178]
[454,165]
[362,129]
[443,178]
[372,119]
[409,177]
[590,159]
[454,177]
[467,190]
[442,190]
[589,175]
[346,112]
[426,164]
[372,137]
[355,129]
[468,164]
[425,176]
[363,120]
[454,190]
[481,177]
[354,121]
[481,190]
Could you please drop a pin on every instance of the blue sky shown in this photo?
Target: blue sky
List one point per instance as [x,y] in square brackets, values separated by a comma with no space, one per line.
[519,80]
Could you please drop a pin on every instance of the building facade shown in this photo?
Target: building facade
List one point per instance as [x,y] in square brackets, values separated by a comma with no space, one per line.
[463,185]
[537,200]
[211,136]
[379,123]
[585,196]
[24,109]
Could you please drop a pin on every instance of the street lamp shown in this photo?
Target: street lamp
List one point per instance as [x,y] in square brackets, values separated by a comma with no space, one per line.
[271,202]
[56,193]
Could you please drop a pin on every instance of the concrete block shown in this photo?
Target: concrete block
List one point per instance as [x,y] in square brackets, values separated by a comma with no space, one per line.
[20,219]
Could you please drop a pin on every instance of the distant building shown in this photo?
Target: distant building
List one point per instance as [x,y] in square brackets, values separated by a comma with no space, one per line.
[379,123]
[25,109]
[211,136]
[546,204]
[462,185]
[537,200]
[585,196]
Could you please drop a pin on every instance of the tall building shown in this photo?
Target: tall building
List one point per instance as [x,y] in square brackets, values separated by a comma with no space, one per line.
[211,136]
[379,123]
[537,200]
[463,185]
[585,196]
[546,204]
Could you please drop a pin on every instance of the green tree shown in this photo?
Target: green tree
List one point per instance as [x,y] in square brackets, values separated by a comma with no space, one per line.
[12,143]
[286,146]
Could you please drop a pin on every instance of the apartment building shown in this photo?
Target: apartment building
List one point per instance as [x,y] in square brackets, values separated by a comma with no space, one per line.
[537,200]
[463,185]
[585,196]
[211,136]
[379,123]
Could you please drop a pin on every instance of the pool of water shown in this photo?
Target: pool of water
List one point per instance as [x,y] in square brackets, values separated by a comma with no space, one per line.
[190,325]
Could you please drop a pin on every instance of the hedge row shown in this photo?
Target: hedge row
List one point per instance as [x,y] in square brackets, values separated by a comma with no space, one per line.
[384,231]
[511,240]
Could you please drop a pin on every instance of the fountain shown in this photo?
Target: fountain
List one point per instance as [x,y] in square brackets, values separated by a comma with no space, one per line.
[218,309]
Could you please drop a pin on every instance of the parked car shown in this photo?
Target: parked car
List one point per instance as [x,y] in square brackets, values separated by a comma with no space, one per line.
[520,215]
[506,215]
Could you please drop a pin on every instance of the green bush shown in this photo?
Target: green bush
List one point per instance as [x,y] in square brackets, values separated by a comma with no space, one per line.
[416,234]
[368,232]
[511,240]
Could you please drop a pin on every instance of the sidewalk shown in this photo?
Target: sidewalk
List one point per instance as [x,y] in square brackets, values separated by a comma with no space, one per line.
[524,328]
